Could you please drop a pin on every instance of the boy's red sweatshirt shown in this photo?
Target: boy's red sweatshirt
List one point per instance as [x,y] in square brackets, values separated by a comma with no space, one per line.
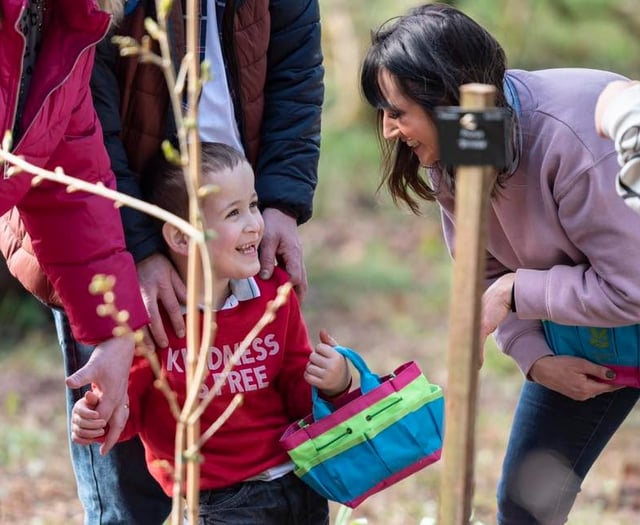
[270,376]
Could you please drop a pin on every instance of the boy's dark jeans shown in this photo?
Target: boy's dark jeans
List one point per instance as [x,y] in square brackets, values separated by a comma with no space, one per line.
[283,501]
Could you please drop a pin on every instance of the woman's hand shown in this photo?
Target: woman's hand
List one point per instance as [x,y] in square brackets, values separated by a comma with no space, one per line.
[328,370]
[496,306]
[573,377]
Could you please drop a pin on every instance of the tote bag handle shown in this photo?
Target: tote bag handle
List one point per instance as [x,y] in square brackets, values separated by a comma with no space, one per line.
[368,381]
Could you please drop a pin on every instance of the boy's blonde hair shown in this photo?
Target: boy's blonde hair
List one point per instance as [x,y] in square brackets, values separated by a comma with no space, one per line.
[163,182]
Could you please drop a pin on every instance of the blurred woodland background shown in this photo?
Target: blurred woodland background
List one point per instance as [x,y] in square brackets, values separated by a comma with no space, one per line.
[379,280]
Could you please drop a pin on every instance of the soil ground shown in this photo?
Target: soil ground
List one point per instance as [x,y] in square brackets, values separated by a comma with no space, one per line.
[388,324]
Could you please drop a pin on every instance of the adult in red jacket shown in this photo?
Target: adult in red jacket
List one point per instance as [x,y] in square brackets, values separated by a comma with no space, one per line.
[47,55]
[271,53]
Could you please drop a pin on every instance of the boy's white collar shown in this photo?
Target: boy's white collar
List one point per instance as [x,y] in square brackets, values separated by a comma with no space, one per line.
[241,290]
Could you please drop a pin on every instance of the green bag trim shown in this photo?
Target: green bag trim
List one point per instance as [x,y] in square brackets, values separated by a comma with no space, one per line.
[351,432]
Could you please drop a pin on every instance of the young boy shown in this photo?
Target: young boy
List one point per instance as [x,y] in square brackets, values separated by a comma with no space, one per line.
[246,476]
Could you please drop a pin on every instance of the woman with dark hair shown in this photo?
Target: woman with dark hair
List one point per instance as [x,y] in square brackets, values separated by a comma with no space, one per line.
[562,247]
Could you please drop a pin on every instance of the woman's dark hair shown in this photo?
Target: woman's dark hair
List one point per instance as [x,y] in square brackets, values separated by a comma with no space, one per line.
[163,182]
[430,52]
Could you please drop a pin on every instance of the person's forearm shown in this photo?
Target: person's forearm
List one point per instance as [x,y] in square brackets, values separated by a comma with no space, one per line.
[621,122]
[523,341]
[142,237]
[294,93]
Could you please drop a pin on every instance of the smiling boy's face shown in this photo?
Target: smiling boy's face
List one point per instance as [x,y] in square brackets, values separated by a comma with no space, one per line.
[232,213]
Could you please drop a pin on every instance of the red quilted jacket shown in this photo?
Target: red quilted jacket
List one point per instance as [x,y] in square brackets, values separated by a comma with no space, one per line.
[74,235]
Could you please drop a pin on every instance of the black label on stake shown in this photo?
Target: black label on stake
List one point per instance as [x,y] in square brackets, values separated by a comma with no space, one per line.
[474,138]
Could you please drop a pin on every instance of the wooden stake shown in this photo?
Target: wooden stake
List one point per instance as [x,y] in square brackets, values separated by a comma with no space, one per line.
[473,187]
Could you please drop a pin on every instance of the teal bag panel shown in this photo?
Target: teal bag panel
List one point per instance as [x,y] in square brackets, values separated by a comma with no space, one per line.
[382,432]
[362,467]
[618,346]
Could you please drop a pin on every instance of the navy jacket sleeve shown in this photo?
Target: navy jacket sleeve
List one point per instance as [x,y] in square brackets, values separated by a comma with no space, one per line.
[290,144]
[142,237]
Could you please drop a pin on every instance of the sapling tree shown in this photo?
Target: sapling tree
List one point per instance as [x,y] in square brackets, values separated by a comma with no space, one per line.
[184,82]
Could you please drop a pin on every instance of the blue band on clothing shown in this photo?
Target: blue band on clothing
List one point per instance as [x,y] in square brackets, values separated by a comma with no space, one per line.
[511,95]
[130,5]
[617,348]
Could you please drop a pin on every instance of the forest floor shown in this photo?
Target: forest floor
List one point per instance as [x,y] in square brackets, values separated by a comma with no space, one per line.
[383,316]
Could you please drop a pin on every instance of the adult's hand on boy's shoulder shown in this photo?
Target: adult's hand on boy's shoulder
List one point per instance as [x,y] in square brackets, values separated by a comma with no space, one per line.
[281,242]
[160,283]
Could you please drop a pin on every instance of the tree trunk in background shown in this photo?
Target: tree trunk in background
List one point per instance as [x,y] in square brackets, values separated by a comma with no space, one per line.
[343,54]
[9,285]
[21,314]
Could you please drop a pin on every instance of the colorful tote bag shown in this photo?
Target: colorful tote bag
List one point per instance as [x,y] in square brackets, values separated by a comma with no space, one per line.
[381,433]
[616,348]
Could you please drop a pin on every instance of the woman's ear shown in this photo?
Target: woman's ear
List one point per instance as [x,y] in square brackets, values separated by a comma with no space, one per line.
[177,240]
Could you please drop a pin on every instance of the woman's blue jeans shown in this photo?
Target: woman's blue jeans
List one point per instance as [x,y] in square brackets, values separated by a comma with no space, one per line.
[115,489]
[554,442]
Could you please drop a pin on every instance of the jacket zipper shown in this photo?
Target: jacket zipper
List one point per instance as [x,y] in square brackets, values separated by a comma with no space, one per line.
[6,165]
[228,42]
[14,113]
[54,88]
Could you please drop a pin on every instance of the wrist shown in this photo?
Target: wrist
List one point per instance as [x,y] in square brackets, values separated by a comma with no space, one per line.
[532,375]
[333,394]
[289,211]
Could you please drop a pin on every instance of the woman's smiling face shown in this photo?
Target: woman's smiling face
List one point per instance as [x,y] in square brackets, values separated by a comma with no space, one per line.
[405,120]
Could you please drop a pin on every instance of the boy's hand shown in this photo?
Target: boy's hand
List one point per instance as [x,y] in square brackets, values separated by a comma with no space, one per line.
[86,423]
[108,370]
[327,369]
